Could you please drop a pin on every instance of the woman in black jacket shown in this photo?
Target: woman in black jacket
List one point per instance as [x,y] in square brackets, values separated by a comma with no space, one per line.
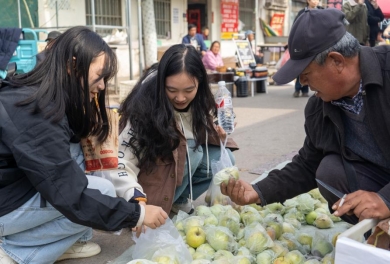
[48,205]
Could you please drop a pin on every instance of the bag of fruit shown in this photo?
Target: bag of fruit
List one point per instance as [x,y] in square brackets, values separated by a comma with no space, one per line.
[222,170]
[163,243]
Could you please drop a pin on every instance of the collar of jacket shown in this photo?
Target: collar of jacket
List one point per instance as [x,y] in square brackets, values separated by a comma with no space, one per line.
[370,71]
[374,67]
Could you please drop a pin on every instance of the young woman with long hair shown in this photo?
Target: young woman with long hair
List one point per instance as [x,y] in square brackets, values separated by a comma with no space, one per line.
[48,204]
[168,136]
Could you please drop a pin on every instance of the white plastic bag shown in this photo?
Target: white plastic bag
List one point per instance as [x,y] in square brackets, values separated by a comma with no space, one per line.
[214,195]
[165,239]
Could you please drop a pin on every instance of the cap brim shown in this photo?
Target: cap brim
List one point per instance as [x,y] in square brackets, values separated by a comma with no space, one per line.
[291,70]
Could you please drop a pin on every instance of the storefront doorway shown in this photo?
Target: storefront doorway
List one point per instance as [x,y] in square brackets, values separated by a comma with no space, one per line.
[197,14]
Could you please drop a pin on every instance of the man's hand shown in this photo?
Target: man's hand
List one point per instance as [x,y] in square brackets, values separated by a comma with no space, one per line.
[364,205]
[240,192]
[154,216]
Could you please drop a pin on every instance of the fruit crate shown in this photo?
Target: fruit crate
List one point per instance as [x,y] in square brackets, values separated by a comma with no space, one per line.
[350,246]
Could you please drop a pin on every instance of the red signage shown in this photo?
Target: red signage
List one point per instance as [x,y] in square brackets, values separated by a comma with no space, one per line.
[229,15]
[277,23]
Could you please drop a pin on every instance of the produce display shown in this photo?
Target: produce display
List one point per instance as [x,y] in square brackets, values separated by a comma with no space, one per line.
[299,231]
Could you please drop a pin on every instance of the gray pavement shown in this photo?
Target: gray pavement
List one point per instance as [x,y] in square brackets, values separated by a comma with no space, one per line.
[269,130]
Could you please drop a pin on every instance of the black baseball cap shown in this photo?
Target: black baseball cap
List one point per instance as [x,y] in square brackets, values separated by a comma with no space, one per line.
[313,32]
[53,35]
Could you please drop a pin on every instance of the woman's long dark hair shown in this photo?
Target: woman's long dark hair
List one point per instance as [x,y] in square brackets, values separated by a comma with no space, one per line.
[62,81]
[151,115]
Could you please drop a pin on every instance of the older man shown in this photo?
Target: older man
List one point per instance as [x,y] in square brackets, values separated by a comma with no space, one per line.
[347,126]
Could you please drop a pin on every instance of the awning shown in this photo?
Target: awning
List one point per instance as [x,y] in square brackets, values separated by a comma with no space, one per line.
[385,7]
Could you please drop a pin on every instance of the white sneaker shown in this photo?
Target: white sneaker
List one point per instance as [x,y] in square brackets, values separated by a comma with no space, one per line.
[81,250]
[5,259]
[186,207]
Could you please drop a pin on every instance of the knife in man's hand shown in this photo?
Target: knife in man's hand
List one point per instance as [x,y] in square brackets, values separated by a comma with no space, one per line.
[330,188]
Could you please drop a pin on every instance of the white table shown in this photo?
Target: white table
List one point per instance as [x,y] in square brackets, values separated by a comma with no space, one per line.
[252,82]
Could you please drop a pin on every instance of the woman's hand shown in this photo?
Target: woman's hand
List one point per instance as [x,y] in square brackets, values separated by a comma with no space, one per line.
[155,216]
[221,133]
[142,228]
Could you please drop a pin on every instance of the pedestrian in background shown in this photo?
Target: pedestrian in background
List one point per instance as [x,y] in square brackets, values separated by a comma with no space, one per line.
[356,13]
[213,59]
[299,88]
[195,40]
[374,17]
[250,36]
[205,33]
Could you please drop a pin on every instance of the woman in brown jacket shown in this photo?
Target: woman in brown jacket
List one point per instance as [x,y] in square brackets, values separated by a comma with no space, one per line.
[168,136]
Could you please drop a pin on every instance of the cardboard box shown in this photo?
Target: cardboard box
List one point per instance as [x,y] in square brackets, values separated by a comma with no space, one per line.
[161,51]
[229,62]
[350,247]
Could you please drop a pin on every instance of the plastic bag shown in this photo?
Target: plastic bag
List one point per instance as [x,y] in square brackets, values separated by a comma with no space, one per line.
[214,194]
[160,242]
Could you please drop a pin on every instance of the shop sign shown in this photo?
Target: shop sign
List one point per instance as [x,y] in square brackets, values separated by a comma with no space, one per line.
[229,15]
[277,23]
[244,52]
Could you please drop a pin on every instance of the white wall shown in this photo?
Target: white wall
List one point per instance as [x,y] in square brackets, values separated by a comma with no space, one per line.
[74,16]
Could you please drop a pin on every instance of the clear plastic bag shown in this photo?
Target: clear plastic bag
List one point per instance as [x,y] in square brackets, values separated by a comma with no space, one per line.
[214,195]
[160,242]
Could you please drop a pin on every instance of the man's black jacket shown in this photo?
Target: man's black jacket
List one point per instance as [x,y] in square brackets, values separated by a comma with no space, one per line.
[324,130]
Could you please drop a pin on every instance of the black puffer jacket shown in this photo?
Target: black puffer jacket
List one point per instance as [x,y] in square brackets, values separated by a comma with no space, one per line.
[40,149]
[9,38]
[325,131]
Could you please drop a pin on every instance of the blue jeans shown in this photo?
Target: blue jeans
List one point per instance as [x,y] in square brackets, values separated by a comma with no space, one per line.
[299,87]
[32,234]
[200,179]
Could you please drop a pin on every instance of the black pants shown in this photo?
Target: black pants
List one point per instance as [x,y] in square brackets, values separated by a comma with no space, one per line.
[331,171]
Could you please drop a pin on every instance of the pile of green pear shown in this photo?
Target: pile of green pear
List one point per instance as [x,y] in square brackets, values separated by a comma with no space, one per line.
[254,234]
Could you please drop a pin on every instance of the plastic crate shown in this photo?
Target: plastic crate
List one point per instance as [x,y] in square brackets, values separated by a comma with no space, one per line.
[350,247]
[26,51]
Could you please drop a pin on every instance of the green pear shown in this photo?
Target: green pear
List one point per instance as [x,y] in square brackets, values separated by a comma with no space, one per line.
[294,257]
[323,221]
[277,227]
[321,247]
[305,239]
[276,208]
[311,217]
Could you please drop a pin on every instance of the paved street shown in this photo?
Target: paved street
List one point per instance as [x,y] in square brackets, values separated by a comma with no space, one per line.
[269,131]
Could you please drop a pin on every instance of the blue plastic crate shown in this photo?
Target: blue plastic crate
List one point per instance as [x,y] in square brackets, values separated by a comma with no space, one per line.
[25,53]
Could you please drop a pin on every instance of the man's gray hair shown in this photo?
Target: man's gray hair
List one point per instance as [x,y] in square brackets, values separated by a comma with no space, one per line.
[348,46]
